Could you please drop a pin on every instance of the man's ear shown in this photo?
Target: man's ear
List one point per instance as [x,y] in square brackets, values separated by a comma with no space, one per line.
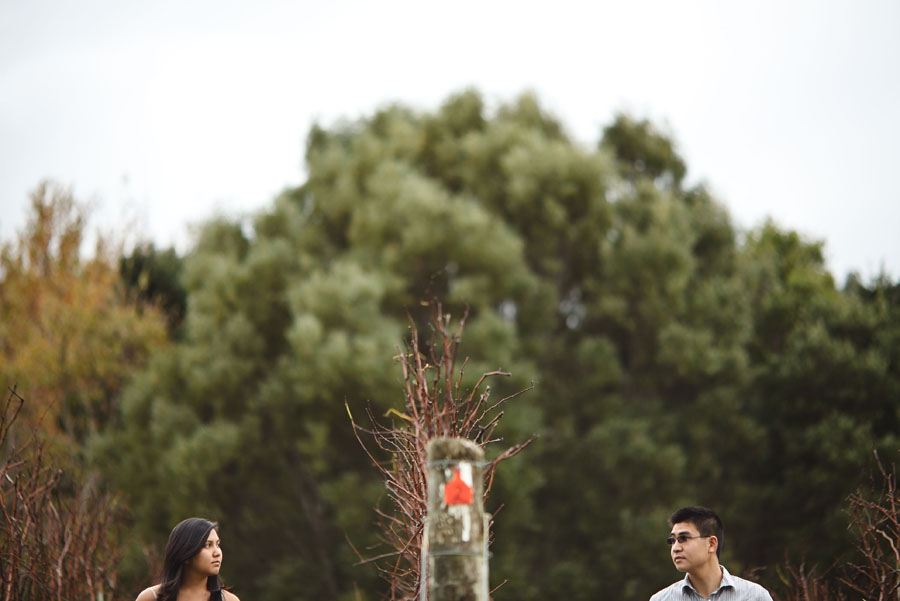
[713,543]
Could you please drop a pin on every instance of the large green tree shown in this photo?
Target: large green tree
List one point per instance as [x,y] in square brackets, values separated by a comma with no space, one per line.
[824,391]
[675,360]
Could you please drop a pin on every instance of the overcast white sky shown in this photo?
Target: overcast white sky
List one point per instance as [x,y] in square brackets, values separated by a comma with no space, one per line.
[164,112]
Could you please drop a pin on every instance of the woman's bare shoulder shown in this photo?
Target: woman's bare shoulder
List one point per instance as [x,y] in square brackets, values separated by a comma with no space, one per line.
[229,596]
[148,594]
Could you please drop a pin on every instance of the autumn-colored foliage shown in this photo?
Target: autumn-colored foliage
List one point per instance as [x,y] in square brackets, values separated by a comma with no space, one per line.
[67,333]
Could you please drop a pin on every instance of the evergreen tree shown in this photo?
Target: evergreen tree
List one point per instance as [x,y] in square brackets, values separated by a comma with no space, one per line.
[675,361]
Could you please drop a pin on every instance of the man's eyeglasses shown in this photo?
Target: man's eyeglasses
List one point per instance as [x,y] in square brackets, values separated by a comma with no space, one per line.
[681,538]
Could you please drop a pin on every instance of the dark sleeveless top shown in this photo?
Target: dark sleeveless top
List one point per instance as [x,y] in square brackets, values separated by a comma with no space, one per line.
[215,595]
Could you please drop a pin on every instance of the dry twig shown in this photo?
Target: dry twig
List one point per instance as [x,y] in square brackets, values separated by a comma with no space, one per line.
[54,544]
[434,407]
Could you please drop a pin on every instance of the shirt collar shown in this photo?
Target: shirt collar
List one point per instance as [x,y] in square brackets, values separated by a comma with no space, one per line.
[727,581]
[727,578]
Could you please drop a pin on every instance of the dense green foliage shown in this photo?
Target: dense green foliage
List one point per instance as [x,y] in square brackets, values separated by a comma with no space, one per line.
[676,360]
[153,277]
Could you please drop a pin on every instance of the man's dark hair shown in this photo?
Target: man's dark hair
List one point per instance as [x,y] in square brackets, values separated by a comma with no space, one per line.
[705,520]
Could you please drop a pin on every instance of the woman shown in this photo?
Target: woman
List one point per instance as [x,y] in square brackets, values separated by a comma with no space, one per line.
[191,565]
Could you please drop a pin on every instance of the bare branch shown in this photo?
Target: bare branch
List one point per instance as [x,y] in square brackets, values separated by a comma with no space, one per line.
[433,406]
[53,545]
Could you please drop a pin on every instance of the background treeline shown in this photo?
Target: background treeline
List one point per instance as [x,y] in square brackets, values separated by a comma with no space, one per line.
[676,360]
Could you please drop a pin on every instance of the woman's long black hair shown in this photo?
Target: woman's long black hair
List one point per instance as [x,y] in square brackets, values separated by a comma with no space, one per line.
[185,541]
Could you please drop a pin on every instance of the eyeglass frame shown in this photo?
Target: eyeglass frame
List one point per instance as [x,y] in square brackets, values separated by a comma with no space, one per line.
[683,538]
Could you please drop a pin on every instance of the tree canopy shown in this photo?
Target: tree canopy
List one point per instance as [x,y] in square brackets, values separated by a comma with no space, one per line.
[676,359]
[69,336]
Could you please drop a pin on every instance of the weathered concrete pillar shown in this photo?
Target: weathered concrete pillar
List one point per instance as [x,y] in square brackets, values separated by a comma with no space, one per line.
[455,550]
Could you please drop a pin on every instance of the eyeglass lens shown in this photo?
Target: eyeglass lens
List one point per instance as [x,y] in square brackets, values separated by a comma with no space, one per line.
[681,538]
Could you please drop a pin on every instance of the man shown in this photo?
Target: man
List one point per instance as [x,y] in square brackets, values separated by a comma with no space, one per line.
[695,543]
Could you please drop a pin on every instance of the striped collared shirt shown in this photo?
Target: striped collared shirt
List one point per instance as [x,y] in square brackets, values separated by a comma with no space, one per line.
[732,588]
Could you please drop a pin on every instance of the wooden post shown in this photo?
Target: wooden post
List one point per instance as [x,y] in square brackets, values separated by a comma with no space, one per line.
[456,525]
